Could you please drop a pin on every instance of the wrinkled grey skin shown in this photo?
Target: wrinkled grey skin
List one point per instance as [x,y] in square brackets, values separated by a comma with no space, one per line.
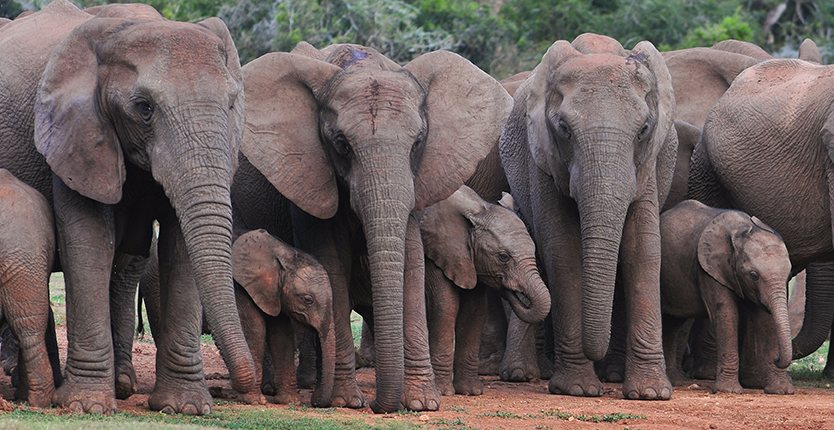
[119,112]
[765,182]
[712,259]
[27,251]
[472,246]
[365,143]
[589,152]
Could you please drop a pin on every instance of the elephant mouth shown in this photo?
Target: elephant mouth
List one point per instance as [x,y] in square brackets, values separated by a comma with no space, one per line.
[517,299]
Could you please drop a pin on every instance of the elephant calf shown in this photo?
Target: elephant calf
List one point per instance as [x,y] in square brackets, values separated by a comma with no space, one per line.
[273,283]
[27,252]
[712,262]
[472,245]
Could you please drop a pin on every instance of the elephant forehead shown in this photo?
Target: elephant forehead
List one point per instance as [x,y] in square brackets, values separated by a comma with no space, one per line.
[379,99]
[604,72]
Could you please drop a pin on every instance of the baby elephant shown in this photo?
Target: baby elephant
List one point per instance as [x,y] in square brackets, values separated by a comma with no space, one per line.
[471,245]
[273,283]
[713,261]
[27,251]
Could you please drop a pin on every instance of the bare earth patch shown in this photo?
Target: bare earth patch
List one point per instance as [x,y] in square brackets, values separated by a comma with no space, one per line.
[529,405]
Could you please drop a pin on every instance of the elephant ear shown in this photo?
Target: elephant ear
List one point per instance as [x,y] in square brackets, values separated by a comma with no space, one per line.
[78,144]
[466,111]
[716,247]
[445,232]
[307,50]
[281,138]
[809,51]
[258,270]
[662,97]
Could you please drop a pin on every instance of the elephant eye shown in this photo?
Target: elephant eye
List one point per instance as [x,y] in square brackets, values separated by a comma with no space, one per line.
[644,131]
[308,300]
[754,275]
[503,257]
[563,129]
[145,109]
[341,144]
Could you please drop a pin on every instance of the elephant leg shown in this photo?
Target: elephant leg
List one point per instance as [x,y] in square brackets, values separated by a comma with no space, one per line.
[123,283]
[724,317]
[443,306]
[255,331]
[702,352]
[758,349]
[645,371]
[9,353]
[520,362]
[281,342]
[469,326]
[419,391]
[494,337]
[25,298]
[365,354]
[180,383]
[828,371]
[86,238]
[52,350]
[307,352]
[326,247]
[675,334]
[544,347]
[612,367]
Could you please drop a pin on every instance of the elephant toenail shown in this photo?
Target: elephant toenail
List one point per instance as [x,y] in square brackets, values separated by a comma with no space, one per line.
[97,409]
[189,410]
[651,394]
[338,402]
[593,391]
[576,390]
[633,395]
[518,375]
[433,406]
[356,403]
[415,405]
[76,407]
[168,410]
[666,394]
[207,408]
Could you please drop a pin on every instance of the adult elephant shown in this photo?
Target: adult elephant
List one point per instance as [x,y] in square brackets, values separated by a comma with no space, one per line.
[589,152]
[780,143]
[358,142]
[139,118]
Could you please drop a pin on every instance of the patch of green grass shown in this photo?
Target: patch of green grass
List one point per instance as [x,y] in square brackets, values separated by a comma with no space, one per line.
[356,328]
[455,408]
[807,371]
[236,417]
[501,414]
[605,418]
[457,424]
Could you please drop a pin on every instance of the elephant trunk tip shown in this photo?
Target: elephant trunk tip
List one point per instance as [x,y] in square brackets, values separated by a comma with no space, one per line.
[595,350]
[782,362]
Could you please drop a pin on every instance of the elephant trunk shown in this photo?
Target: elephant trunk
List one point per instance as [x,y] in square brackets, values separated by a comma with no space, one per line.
[819,309]
[327,339]
[777,303]
[197,181]
[530,299]
[383,197]
[603,192]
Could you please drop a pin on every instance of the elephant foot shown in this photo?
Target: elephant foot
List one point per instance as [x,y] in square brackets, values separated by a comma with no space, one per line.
[469,386]
[364,357]
[305,376]
[610,370]
[647,383]
[194,400]
[518,368]
[420,394]
[36,398]
[268,388]
[779,384]
[828,371]
[676,376]
[575,380]
[726,385]
[286,397]
[704,371]
[491,363]
[767,377]
[125,383]
[444,385]
[545,366]
[253,398]
[86,398]
[346,394]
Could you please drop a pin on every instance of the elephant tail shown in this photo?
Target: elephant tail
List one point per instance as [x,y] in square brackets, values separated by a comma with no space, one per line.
[140,325]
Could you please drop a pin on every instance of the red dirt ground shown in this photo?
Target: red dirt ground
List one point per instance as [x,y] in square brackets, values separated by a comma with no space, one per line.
[526,406]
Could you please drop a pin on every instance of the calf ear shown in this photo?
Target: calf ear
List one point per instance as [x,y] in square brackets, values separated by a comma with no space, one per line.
[445,233]
[256,268]
[716,248]
[79,146]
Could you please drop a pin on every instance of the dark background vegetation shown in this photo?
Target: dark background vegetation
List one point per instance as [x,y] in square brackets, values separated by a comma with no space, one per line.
[501,36]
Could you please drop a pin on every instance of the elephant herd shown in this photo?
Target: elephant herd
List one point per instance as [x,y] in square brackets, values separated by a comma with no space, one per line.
[309,184]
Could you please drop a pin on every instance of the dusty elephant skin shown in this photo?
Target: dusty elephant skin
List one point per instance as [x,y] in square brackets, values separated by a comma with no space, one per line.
[589,152]
[27,251]
[472,246]
[357,143]
[766,150]
[738,258]
[132,135]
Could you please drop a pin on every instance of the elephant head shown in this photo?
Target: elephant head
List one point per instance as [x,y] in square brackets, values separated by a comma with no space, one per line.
[748,257]
[598,120]
[280,278]
[391,139]
[474,241]
[164,97]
